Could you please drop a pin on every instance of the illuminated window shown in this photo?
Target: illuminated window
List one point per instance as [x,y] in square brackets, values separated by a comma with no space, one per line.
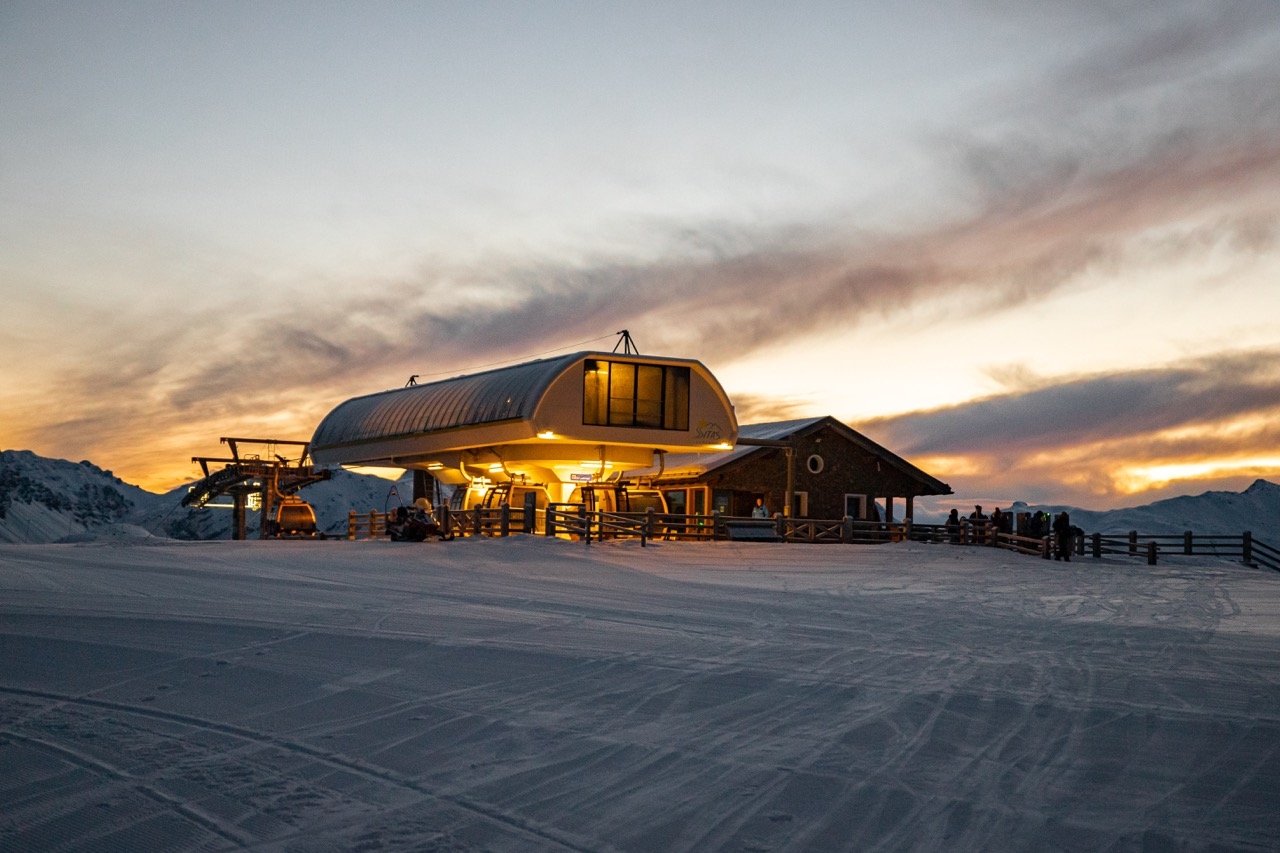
[620,393]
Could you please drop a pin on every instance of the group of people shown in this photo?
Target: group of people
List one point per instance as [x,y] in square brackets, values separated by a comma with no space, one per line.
[983,528]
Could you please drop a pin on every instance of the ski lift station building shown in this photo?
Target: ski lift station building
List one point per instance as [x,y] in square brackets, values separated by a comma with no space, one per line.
[562,421]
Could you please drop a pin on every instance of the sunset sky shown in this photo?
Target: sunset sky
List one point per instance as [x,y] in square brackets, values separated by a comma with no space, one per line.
[1033,247]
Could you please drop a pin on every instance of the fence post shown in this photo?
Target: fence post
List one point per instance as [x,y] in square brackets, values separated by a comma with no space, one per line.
[530,512]
[1151,553]
[1133,543]
[373,524]
[1097,546]
[846,529]
[906,529]
[445,522]
[715,524]
[1186,543]
[1246,548]
[550,529]
[1045,548]
[477,522]
[351,524]
[504,519]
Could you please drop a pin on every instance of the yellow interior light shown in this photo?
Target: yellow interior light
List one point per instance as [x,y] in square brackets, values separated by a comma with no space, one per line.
[546,433]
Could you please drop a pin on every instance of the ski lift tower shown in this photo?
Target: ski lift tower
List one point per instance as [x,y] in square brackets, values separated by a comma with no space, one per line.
[267,474]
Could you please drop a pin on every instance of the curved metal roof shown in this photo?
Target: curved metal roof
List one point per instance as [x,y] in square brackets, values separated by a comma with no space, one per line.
[508,393]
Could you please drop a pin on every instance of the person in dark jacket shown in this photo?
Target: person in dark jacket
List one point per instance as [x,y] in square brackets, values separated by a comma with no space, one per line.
[1062,534]
[1035,526]
[952,526]
[978,525]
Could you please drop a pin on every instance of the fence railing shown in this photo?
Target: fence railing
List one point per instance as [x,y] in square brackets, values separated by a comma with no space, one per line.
[486,521]
[366,525]
[1242,547]
[574,521]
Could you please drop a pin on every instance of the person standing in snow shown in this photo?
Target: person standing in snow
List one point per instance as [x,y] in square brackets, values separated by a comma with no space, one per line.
[1034,527]
[759,510]
[1062,535]
[977,525]
[952,526]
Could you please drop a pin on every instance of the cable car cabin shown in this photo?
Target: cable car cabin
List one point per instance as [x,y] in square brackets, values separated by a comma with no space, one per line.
[561,422]
[619,497]
[495,495]
[294,519]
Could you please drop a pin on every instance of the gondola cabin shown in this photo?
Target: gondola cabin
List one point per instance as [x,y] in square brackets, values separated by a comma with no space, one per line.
[294,518]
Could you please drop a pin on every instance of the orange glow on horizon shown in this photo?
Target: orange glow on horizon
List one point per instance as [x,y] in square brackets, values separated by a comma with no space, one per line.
[1145,478]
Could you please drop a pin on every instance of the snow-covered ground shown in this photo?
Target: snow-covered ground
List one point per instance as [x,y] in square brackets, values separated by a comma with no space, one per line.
[534,694]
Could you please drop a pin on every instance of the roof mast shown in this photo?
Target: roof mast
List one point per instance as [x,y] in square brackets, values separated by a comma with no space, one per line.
[628,346]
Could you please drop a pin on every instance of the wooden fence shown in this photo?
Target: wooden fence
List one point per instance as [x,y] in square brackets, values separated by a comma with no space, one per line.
[1243,547]
[573,521]
[366,525]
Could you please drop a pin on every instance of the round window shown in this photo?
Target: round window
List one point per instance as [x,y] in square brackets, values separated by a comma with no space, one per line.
[815,464]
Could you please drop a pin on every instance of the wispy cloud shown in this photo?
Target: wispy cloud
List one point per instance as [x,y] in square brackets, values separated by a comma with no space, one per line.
[1213,417]
[1097,408]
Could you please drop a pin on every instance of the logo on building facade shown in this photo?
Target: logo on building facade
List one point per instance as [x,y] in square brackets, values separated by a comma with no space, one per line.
[708,431]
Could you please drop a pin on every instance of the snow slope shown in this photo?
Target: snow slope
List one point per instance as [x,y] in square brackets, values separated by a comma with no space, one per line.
[42,500]
[535,694]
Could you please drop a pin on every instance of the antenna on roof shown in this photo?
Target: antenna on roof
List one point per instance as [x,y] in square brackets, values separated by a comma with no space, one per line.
[628,345]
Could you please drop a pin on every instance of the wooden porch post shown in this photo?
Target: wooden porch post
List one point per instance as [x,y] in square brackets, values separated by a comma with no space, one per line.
[791,481]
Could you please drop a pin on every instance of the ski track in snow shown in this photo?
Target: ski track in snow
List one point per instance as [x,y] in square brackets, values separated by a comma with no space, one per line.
[533,694]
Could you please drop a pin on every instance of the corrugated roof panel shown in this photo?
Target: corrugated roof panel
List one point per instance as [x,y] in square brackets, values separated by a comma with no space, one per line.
[496,395]
[775,430]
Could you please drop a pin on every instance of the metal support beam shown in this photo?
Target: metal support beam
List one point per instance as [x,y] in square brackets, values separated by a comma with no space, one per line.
[237,517]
